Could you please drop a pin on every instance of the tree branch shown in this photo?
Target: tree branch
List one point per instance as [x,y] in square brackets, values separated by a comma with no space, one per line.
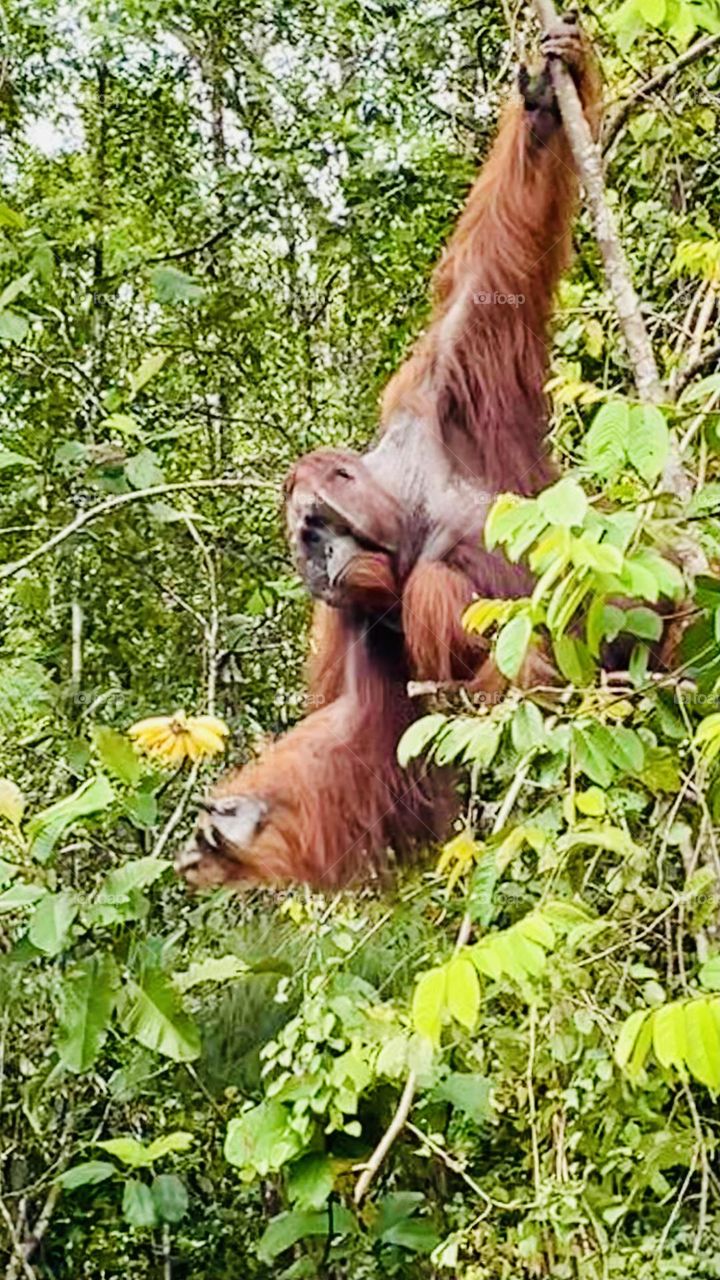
[120,500]
[645,88]
[588,161]
[711,356]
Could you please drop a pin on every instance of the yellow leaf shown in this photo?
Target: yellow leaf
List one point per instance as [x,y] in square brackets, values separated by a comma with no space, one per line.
[669,1038]
[429,1003]
[463,991]
[12,801]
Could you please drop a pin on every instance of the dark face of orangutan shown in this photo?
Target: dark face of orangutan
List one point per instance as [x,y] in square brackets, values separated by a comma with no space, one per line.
[344,529]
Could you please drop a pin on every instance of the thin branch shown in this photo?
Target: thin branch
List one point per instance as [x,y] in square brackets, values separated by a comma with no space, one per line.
[393,1131]
[647,87]
[588,161]
[26,1249]
[120,500]
[178,812]
[176,255]
[457,1167]
[17,1260]
[406,1100]
[532,1108]
[711,356]
[212,625]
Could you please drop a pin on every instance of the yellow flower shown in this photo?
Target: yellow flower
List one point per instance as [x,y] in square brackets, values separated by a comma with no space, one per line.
[179,737]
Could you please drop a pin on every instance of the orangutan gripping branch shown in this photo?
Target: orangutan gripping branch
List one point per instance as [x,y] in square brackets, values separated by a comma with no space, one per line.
[389,543]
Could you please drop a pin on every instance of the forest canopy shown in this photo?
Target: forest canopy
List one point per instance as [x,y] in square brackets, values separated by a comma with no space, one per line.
[218,224]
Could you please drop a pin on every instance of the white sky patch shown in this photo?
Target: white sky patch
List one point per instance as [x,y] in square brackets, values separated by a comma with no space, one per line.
[51,137]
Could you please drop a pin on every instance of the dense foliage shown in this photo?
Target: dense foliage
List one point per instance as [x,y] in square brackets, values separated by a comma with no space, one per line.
[217,223]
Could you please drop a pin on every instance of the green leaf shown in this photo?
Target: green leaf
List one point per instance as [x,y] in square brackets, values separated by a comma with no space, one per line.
[697,391]
[261,1141]
[606,440]
[564,503]
[13,327]
[416,1234]
[14,289]
[151,1013]
[150,366]
[128,1150]
[310,1181]
[429,1003]
[394,1207]
[653,11]
[287,1228]
[601,557]
[506,514]
[591,756]
[21,896]
[213,969]
[170,1197]
[627,1038]
[143,471]
[171,285]
[10,218]
[626,748]
[116,754]
[392,1058]
[47,827]
[482,743]
[9,458]
[467,1092]
[574,660]
[137,873]
[462,992]
[669,1042]
[710,974]
[645,623]
[527,728]
[418,736]
[51,921]
[482,888]
[12,802]
[87,1174]
[649,439]
[138,1205]
[88,997]
[178,1140]
[512,644]
[702,1052]
[124,424]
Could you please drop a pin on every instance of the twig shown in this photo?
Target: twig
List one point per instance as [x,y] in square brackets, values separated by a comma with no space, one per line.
[166,1251]
[532,1109]
[707,357]
[24,1250]
[176,255]
[120,500]
[456,1167]
[391,1133]
[17,1259]
[178,812]
[403,1108]
[212,625]
[658,81]
[588,161]
[704,317]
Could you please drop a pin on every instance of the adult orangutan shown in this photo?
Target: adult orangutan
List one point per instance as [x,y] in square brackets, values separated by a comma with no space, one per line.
[389,543]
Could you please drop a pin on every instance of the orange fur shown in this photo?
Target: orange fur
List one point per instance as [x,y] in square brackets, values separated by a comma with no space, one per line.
[392,539]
